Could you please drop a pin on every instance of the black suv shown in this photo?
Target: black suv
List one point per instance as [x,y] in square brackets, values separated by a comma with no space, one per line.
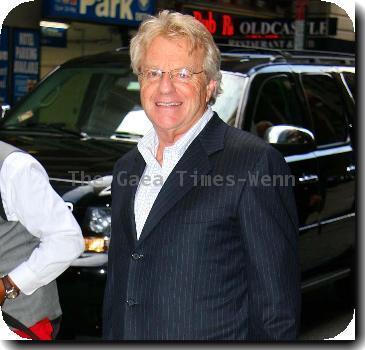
[84,115]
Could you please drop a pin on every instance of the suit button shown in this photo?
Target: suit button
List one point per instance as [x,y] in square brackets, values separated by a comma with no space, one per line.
[131,302]
[136,256]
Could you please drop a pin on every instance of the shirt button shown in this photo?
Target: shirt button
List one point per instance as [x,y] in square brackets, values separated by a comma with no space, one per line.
[131,302]
[136,256]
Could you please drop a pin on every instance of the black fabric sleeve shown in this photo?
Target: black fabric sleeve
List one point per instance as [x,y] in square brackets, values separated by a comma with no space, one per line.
[268,217]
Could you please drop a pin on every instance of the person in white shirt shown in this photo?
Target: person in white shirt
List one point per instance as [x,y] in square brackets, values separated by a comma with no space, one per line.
[39,238]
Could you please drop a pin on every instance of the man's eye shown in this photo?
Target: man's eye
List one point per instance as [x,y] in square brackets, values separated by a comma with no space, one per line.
[184,74]
[153,74]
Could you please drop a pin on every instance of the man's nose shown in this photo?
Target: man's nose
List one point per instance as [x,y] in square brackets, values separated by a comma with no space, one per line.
[166,85]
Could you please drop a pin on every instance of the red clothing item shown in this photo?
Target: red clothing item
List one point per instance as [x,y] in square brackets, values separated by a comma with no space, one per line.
[43,329]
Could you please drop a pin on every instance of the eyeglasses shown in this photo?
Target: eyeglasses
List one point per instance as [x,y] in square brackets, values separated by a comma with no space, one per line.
[181,75]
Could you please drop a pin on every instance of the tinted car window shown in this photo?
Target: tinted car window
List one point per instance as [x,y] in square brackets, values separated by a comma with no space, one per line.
[92,100]
[102,102]
[227,103]
[351,82]
[111,97]
[327,108]
[276,103]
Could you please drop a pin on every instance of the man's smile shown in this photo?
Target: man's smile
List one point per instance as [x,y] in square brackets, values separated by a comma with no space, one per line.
[168,104]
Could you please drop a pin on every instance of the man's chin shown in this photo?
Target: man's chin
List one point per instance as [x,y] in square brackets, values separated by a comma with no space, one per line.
[166,122]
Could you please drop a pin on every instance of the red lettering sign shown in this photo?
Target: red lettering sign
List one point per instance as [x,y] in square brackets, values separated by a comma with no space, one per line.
[227,26]
[262,36]
[210,23]
[198,15]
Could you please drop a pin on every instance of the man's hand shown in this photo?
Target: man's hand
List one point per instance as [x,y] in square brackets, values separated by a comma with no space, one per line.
[2,292]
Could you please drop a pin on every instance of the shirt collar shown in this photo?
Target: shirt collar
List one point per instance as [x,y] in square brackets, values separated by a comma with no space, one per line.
[147,145]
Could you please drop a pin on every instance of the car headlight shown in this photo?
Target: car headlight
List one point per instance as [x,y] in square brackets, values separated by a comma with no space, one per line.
[97,229]
[96,244]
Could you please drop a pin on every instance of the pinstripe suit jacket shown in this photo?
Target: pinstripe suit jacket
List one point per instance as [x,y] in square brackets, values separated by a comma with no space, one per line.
[217,258]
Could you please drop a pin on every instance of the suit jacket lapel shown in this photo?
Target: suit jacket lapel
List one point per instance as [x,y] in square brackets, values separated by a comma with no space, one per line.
[195,161]
[126,196]
[137,170]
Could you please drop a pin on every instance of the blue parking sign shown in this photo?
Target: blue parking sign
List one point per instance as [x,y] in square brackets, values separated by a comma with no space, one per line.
[4,62]
[25,62]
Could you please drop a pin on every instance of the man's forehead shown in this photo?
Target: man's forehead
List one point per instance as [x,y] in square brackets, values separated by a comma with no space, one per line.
[182,41]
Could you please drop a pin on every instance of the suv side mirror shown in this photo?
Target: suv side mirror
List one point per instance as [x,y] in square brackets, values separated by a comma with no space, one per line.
[4,108]
[290,139]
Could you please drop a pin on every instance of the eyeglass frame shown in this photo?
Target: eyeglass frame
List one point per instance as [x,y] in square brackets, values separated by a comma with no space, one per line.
[141,74]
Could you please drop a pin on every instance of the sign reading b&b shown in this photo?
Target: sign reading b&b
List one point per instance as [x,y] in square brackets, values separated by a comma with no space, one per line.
[130,12]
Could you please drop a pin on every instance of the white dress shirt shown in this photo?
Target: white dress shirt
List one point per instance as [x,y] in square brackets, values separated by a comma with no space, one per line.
[155,175]
[28,197]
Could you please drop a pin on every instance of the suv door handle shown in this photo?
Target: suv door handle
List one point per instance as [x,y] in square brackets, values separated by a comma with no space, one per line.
[308,178]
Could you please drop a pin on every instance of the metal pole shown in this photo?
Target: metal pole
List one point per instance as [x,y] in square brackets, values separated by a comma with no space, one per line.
[300,7]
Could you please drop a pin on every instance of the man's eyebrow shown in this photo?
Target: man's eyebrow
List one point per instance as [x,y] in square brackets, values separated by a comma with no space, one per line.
[151,67]
[181,67]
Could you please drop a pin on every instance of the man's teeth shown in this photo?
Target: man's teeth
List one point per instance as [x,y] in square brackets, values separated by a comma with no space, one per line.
[168,104]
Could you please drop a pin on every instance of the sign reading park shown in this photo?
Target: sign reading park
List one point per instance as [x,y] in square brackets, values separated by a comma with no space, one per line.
[130,12]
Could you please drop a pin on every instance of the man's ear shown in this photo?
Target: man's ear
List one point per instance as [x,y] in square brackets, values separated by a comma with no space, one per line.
[211,88]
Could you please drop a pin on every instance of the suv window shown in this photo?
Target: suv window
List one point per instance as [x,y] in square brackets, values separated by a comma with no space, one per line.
[227,103]
[350,81]
[101,102]
[276,103]
[62,103]
[92,100]
[327,108]
[111,96]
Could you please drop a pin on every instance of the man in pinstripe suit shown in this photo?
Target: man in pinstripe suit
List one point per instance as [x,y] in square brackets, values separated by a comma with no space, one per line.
[197,252]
